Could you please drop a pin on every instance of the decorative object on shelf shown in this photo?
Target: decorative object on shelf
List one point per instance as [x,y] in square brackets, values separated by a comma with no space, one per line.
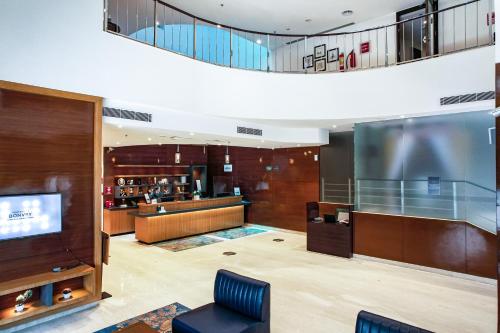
[121,181]
[66,293]
[130,182]
[178,156]
[183,179]
[108,190]
[196,195]
[123,193]
[227,158]
[320,65]
[146,196]
[131,191]
[109,203]
[237,191]
[319,51]
[163,181]
[365,47]
[307,62]
[332,55]
[22,299]
[139,181]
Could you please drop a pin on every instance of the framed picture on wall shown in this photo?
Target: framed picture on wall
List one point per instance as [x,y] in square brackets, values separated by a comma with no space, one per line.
[319,51]
[332,55]
[307,61]
[320,65]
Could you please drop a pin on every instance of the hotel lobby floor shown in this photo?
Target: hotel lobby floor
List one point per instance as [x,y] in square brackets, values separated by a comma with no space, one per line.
[310,292]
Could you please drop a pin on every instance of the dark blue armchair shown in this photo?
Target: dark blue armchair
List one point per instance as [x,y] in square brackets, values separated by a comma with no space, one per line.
[241,304]
[371,323]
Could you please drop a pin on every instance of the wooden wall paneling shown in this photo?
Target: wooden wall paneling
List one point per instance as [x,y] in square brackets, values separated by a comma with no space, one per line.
[379,236]
[45,160]
[434,243]
[481,254]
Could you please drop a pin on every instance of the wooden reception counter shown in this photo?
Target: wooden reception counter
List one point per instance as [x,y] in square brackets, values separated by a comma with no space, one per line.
[185,218]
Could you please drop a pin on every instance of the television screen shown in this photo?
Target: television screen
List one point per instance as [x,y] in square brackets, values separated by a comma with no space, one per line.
[30,215]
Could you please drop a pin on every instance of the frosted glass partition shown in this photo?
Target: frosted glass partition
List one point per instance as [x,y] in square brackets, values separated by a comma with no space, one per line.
[440,166]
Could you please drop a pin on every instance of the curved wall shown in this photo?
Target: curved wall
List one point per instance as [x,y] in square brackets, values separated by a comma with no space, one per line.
[62,45]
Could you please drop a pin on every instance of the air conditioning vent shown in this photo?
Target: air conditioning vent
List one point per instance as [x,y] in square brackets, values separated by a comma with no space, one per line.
[468,98]
[249,131]
[126,114]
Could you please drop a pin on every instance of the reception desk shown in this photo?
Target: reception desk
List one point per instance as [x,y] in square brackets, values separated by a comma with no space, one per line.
[186,218]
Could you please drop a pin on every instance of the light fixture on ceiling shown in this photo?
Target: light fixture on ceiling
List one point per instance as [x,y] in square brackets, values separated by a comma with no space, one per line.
[298,144]
[334,126]
[178,156]
[227,158]
[219,26]
[259,41]
[288,29]
[117,142]
[191,133]
[149,139]
[347,12]
[308,20]
[120,126]
[402,116]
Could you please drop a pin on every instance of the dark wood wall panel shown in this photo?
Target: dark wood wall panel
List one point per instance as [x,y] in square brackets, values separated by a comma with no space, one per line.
[450,245]
[278,195]
[48,146]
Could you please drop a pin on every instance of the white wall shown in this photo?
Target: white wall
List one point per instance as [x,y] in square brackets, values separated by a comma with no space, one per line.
[61,44]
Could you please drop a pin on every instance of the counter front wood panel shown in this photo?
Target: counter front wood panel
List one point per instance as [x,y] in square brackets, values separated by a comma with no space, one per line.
[170,226]
[118,221]
[450,245]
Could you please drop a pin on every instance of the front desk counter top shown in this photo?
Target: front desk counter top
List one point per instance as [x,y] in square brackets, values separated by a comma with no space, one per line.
[186,218]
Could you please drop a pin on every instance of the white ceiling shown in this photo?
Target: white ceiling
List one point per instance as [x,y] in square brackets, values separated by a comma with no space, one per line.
[277,15]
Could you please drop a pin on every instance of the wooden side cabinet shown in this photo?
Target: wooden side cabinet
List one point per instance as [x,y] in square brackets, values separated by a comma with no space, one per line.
[119,221]
[330,238]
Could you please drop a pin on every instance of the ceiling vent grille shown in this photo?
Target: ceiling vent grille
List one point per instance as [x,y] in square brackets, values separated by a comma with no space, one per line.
[468,98]
[126,114]
[249,131]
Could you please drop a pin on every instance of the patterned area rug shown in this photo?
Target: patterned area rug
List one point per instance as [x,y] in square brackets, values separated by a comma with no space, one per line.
[237,232]
[187,243]
[159,319]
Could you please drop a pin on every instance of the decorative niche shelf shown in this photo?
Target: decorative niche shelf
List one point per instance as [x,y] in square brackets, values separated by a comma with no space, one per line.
[36,307]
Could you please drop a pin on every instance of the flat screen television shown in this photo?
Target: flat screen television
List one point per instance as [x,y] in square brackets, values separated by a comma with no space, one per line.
[30,215]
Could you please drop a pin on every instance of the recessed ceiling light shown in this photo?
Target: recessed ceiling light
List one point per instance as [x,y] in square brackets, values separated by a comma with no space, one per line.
[117,142]
[347,12]
[308,20]
[191,133]
[120,126]
[262,140]
[149,139]
[298,144]
[334,126]
[402,116]
[258,147]
[259,41]
[288,29]
[219,26]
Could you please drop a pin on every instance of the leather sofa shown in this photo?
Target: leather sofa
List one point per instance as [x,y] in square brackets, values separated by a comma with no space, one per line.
[241,304]
[371,323]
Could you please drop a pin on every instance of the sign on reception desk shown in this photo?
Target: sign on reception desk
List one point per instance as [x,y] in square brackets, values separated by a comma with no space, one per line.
[29,215]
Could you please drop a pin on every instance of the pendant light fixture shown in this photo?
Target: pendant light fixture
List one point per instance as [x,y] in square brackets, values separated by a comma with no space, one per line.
[177,156]
[227,158]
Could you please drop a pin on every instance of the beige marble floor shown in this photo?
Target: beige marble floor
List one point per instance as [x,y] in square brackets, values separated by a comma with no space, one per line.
[310,292]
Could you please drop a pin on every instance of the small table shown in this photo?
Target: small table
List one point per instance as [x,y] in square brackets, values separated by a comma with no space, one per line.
[139,327]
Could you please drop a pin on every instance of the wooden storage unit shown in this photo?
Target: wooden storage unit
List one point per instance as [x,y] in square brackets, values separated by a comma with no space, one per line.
[118,221]
[54,123]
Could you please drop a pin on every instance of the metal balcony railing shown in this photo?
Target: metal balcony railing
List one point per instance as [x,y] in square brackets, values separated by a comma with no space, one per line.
[154,22]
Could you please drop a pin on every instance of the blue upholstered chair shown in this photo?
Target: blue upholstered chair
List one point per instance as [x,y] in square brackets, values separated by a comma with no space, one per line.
[241,304]
[371,323]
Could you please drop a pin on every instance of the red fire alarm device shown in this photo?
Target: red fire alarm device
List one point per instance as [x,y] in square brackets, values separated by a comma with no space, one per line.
[365,47]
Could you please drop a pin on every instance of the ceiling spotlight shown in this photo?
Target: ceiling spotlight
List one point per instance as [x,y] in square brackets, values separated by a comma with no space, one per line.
[298,144]
[120,126]
[334,126]
[191,133]
[259,41]
[402,116]
[117,142]
[219,26]
[347,12]
[308,20]
[222,5]
[149,139]
[288,29]
[157,23]
[262,140]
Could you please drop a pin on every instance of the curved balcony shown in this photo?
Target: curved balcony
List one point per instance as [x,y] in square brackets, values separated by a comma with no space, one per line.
[453,29]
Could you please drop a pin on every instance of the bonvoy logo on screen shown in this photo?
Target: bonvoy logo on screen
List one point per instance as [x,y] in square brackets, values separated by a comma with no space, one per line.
[29,215]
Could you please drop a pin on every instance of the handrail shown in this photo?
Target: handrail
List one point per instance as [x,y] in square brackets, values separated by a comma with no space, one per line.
[425,180]
[422,37]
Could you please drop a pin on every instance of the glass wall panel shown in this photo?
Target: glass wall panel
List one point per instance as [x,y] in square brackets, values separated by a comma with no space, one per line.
[440,166]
